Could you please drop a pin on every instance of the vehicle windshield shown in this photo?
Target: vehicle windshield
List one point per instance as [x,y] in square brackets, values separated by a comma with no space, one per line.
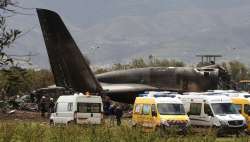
[170,109]
[224,108]
[247,96]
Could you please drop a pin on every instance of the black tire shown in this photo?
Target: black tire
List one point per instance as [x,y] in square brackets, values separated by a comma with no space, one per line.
[184,132]
[161,130]
[72,122]
[241,133]
[51,122]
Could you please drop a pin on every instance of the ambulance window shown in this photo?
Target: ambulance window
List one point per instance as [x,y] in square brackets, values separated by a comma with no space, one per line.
[246,108]
[62,107]
[89,107]
[195,109]
[237,107]
[153,111]
[138,108]
[95,107]
[70,105]
[207,110]
[153,108]
[146,109]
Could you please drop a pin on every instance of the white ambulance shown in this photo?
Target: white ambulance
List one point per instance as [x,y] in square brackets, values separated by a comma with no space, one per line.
[213,111]
[79,109]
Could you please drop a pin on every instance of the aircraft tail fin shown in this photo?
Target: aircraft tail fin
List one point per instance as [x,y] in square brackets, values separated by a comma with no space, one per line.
[70,68]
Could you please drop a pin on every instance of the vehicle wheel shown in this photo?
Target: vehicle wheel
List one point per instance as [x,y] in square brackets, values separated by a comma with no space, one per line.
[71,123]
[184,132]
[161,131]
[247,132]
[220,133]
[51,122]
[241,133]
[134,126]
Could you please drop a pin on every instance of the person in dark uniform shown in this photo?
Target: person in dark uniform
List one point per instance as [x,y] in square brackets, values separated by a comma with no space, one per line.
[118,114]
[32,97]
[111,113]
[51,105]
[106,105]
[43,106]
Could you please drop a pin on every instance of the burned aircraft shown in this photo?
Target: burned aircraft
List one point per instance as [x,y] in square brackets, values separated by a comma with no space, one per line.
[71,69]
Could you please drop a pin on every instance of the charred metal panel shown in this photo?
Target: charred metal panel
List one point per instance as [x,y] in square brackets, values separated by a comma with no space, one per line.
[136,76]
[172,78]
[69,66]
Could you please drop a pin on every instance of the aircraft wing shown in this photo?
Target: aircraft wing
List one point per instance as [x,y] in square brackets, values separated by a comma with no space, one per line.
[126,87]
[125,93]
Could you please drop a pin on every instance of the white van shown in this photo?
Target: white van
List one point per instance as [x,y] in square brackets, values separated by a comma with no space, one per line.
[79,109]
[230,93]
[213,111]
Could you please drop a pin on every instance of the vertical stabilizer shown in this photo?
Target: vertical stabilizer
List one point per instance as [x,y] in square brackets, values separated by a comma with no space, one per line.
[70,68]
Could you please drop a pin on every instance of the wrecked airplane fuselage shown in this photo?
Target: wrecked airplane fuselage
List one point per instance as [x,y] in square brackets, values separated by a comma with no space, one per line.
[71,69]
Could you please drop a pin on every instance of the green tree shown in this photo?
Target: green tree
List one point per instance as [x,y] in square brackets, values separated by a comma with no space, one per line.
[138,63]
[238,70]
[18,81]
[15,81]
[101,70]
[7,35]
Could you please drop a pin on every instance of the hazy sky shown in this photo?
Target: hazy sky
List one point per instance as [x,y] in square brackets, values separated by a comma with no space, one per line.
[87,12]
[134,26]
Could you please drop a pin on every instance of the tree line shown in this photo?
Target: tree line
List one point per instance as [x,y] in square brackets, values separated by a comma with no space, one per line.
[151,61]
[20,81]
[237,70]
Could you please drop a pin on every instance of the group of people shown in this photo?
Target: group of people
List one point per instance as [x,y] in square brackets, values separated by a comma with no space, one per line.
[46,105]
[114,111]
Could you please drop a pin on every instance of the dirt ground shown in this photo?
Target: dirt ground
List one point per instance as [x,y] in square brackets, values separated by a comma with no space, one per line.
[23,116]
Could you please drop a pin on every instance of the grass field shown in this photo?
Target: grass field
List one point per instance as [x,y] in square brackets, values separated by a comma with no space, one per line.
[11,131]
